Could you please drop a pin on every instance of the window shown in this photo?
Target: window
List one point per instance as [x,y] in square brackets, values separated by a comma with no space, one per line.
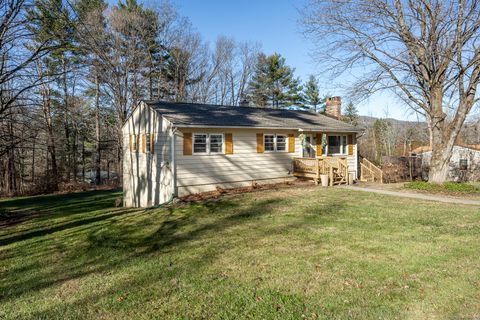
[275,142]
[463,164]
[337,144]
[281,143]
[216,143]
[207,143]
[200,143]
[147,142]
[269,142]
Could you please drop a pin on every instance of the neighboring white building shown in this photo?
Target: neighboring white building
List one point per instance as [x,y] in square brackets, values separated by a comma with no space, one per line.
[176,149]
[464,164]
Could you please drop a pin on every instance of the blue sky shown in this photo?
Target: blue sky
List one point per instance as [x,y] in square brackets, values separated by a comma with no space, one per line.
[274,23]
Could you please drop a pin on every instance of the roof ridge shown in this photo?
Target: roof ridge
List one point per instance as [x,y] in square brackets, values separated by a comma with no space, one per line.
[230,106]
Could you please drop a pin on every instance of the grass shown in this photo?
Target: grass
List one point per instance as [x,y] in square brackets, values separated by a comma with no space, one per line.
[296,253]
[447,187]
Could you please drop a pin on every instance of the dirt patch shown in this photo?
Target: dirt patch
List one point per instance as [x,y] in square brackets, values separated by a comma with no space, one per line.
[253,188]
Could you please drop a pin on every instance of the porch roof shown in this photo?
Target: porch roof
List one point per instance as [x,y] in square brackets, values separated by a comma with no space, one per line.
[205,115]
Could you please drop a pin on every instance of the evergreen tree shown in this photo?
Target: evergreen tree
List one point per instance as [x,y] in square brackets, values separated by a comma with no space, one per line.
[350,114]
[52,22]
[311,94]
[273,83]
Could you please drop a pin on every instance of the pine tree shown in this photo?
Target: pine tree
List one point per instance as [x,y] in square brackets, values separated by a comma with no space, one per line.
[273,83]
[311,94]
[350,114]
[51,22]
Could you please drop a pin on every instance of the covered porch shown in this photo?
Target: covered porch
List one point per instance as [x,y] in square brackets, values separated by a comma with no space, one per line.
[335,167]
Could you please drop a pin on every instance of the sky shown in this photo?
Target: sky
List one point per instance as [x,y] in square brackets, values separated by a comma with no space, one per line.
[274,24]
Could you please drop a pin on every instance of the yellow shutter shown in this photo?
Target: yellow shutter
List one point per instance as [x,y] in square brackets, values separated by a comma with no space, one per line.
[137,139]
[144,143]
[319,144]
[131,143]
[291,143]
[259,142]
[187,144]
[350,144]
[151,143]
[228,143]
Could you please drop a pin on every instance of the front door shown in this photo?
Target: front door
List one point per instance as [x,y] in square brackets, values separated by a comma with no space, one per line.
[308,147]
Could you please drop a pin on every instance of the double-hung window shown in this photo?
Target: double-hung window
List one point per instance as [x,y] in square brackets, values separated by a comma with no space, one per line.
[269,142]
[337,144]
[281,142]
[204,143]
[275,142]
[216,143]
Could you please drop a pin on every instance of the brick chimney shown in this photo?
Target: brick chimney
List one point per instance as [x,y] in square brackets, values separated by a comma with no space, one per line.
[333,107]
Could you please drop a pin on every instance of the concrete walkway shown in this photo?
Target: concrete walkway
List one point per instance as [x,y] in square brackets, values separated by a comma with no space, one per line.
[415,195]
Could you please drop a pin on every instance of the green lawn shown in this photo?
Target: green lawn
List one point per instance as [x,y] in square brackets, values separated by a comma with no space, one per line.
[449,188]
[288,254]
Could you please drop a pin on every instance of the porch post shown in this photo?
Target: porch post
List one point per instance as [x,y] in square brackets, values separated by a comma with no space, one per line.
[331,176]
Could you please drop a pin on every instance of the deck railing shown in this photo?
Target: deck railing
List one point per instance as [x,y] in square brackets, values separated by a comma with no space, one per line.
[370,172]
[335,167]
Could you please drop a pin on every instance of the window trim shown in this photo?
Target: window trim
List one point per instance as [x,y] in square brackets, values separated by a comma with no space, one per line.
[275,149]
[208,152]
[343,152]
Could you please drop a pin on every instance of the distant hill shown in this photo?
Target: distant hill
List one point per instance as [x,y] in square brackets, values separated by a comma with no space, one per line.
[368,121]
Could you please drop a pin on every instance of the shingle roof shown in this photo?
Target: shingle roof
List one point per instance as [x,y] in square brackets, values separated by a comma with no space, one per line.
[205,115]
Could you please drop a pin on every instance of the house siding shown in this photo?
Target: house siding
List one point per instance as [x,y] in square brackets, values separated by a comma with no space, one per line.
[152,179]
[147,178]
[200,173]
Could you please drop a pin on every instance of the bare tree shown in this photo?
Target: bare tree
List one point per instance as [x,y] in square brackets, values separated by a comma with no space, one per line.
[425,51]
[17,55]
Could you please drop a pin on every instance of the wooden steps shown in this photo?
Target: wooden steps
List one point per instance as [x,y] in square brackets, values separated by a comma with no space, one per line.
[370,172]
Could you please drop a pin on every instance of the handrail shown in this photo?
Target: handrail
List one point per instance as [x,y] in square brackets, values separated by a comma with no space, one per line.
[374,170]
[314,167]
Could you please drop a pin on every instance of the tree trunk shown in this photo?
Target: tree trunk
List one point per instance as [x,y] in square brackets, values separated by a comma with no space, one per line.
[439,163]
[97,131]
[53,175]
[83,159]
[68,163]
[442,137]
[33,159]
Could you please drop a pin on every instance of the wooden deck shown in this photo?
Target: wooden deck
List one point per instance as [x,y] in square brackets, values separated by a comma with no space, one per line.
[335,167]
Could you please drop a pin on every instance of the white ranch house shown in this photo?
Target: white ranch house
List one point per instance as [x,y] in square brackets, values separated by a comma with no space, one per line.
[176,149]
